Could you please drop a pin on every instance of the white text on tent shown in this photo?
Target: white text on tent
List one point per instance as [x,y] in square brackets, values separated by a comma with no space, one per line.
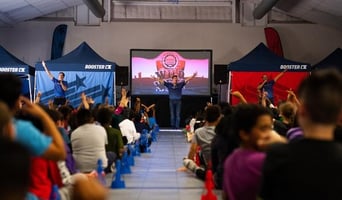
[12,69]
[98,67]
[293,66]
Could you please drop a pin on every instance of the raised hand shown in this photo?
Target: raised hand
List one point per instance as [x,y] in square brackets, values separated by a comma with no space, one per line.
[50,104]
[83,96]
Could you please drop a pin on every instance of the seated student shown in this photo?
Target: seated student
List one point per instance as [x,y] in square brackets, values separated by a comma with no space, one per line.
[69,162]
[15,181]
[115,147]
[16,178]
[17,184]
[242,168]
[127,127]
[202,138]
[138,108]
[151,114]
[287,112]
[48,143]
[295,133]
[220,143]
[220,149]
[309,168]
[117,116]
[15,169]
[146,112]
[66,113]
[43,173]
[64,174]
[140,123]
[88,142]
[123,103]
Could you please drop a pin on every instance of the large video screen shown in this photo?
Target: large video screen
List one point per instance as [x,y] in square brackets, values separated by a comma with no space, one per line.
[146,65]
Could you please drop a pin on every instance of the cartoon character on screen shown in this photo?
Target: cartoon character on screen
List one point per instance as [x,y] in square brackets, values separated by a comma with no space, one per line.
[169,64]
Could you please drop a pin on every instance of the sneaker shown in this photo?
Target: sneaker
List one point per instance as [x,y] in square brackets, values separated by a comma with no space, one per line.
[200,173]
[190,164]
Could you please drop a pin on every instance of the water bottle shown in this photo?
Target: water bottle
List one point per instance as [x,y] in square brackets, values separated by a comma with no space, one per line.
[100,173]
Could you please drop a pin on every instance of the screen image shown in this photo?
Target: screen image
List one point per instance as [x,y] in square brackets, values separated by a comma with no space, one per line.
[148,65]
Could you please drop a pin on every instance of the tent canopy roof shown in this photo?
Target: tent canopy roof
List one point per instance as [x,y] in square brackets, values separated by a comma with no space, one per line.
[10,63]
[83,58]
[263,59]
[333,60]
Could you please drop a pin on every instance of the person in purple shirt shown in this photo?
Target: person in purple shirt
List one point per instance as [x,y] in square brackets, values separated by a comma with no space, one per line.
[242,168]
[60,86]
[175,88]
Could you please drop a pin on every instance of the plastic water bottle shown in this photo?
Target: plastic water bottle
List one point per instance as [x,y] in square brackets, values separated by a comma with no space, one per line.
[100,173]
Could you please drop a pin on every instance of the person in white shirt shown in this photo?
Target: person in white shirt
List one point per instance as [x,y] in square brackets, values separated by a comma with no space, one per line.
[88,142]
[127,127]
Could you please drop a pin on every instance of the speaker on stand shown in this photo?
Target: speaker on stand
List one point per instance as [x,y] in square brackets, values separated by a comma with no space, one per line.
[220,77]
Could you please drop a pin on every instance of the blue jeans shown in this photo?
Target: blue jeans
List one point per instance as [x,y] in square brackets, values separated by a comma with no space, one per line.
[175,109]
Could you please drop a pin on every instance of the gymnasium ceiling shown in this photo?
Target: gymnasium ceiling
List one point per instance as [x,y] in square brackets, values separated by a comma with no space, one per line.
[325,12]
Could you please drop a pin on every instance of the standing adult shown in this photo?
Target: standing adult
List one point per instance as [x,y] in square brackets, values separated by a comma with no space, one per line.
[60,86]
[175,88]
[267,86]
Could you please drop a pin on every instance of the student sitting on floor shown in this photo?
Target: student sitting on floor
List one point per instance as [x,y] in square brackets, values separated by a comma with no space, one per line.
[14,160]
[15,168]
[115,147]
[252,124]
[203,137]
[127,127]
[88,142]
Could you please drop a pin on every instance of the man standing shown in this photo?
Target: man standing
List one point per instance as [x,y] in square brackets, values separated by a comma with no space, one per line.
[175,97]
[60,86]
[267,86]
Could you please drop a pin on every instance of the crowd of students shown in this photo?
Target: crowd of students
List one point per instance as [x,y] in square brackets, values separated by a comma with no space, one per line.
[259,151]
[49,146]
[292,151]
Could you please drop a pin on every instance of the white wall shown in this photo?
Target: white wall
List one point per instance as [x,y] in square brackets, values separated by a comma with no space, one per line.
[31,41]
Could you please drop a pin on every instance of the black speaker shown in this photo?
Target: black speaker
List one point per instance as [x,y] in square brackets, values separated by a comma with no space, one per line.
[220,74]
[121,76]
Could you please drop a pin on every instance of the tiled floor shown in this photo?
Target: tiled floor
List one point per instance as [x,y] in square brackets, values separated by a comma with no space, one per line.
[155,174]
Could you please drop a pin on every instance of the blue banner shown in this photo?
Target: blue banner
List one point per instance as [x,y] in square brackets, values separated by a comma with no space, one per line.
[58,40]
[98,85]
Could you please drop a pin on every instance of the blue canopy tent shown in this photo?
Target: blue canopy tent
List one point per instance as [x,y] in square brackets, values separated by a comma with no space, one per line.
[333,60]
[85,71]
[246,73]
[10,63]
